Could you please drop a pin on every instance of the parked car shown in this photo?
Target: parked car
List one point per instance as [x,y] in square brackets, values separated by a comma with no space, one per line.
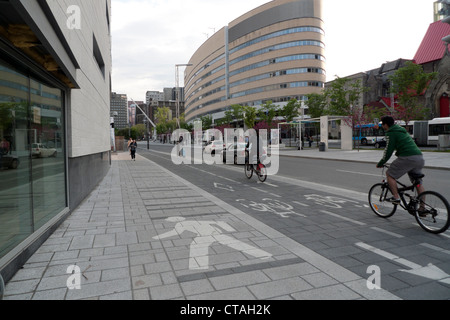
[9,161]
[237,150]
[40,150]
[214,146]
[380,143]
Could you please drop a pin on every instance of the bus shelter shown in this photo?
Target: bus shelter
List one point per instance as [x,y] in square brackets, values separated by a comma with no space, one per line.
[319,130]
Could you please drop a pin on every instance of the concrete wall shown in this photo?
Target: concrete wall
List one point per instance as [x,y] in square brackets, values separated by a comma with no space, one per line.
[89,106]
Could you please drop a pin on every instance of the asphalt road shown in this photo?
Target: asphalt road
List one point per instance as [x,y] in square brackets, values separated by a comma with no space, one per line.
[355,176]
[323,205]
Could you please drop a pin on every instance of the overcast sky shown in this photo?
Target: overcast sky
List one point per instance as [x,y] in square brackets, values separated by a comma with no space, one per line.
[150,36]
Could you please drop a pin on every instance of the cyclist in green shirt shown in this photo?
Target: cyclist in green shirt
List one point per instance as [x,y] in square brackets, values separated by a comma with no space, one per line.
[409,157]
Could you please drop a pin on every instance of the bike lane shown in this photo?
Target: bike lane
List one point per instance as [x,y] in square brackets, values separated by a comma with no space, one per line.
[338,226]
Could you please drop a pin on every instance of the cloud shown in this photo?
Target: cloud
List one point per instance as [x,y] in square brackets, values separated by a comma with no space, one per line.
[150,36]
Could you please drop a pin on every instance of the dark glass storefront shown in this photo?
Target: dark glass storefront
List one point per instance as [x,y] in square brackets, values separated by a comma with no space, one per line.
[33,187]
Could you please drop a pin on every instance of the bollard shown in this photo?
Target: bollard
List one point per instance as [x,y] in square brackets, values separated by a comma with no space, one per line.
[2,287]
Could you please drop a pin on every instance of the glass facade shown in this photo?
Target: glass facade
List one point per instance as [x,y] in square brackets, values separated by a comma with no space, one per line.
[32,154]
[273,53]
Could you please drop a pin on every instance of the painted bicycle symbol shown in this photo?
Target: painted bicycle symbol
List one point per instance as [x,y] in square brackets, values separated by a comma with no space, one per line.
[277,207]
[330,201]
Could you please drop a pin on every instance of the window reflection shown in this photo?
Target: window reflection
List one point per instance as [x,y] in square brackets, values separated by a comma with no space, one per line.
[15,189]
[47,152]
[32,187]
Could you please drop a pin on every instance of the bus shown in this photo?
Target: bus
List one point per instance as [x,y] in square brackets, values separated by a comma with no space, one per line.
[437,127]
[424,132]
[368,134]
[427,132]
[409,128]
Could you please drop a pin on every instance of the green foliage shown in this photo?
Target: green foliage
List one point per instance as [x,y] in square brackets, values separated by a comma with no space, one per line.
[343,96]
[206,122]
[236,113]
[250,116]
[162,115]
[317,105]
[267,113]
[290,110]
[408,83]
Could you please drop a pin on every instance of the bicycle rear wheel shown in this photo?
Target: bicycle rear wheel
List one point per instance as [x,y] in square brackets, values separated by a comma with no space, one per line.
[262,175]
[378,195]
[248,170]
[435,217]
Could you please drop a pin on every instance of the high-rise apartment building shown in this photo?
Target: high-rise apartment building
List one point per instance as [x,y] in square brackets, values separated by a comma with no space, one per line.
[153,97]
[119,110]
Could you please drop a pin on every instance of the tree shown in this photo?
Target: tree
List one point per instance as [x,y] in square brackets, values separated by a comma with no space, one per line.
[206,122]
[317,104]
[250,116]
[407,84]
[236,113]
[344,97]
[140,129]
[290,110]
[267,113]
[162,115]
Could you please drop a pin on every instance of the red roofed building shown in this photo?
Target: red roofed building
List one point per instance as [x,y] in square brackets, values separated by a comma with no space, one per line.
[433,54]
[432,47]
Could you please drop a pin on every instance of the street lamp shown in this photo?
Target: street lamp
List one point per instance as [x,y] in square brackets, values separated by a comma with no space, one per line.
[177,90]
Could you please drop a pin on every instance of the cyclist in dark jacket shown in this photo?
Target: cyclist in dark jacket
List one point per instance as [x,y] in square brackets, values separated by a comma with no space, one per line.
[409,157]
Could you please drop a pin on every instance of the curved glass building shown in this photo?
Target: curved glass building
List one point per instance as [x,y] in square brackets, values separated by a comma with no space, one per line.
[275,52]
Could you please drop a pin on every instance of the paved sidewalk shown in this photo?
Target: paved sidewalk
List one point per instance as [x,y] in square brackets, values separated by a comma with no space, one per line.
[145,233]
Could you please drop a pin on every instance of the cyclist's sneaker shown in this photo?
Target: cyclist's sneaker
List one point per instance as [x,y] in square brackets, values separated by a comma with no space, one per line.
[423,212]
[394,200]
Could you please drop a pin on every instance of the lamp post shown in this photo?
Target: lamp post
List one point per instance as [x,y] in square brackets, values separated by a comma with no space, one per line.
[177,90]
[146,130]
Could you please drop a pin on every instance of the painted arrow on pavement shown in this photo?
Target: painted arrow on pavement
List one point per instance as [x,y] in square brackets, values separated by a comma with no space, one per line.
[430,271]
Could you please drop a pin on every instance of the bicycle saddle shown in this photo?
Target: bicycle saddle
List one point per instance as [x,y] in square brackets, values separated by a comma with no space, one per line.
[417,176]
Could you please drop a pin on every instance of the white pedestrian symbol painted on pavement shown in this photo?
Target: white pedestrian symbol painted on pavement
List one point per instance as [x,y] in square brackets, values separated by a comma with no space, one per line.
[207,233]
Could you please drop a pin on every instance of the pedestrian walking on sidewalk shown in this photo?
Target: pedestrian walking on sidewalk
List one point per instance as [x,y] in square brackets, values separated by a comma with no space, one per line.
[133,147]
[129,142]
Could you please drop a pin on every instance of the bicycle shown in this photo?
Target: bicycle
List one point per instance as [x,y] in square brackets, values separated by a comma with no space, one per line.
[259,168]
[430,208]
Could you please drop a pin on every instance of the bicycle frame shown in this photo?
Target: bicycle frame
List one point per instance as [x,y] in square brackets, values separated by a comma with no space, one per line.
[402,193]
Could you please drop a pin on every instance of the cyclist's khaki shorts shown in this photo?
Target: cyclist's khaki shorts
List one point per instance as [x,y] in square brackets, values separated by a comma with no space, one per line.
[412,165]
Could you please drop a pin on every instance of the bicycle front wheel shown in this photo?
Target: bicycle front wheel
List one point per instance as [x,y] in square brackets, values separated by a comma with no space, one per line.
[248,170]
[262,175]
[378,195]
[432,212]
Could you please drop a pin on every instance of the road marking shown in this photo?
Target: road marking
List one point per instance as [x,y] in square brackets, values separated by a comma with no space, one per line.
[270,184]
[430,271]
[272,194]
[440,234]
[284,210]
[343,218]
[302,204]
[430,246]
[223,186]
[363,173]
[207,233]
[387,232]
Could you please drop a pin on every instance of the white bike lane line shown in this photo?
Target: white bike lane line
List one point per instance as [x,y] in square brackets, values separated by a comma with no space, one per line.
[337,272]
